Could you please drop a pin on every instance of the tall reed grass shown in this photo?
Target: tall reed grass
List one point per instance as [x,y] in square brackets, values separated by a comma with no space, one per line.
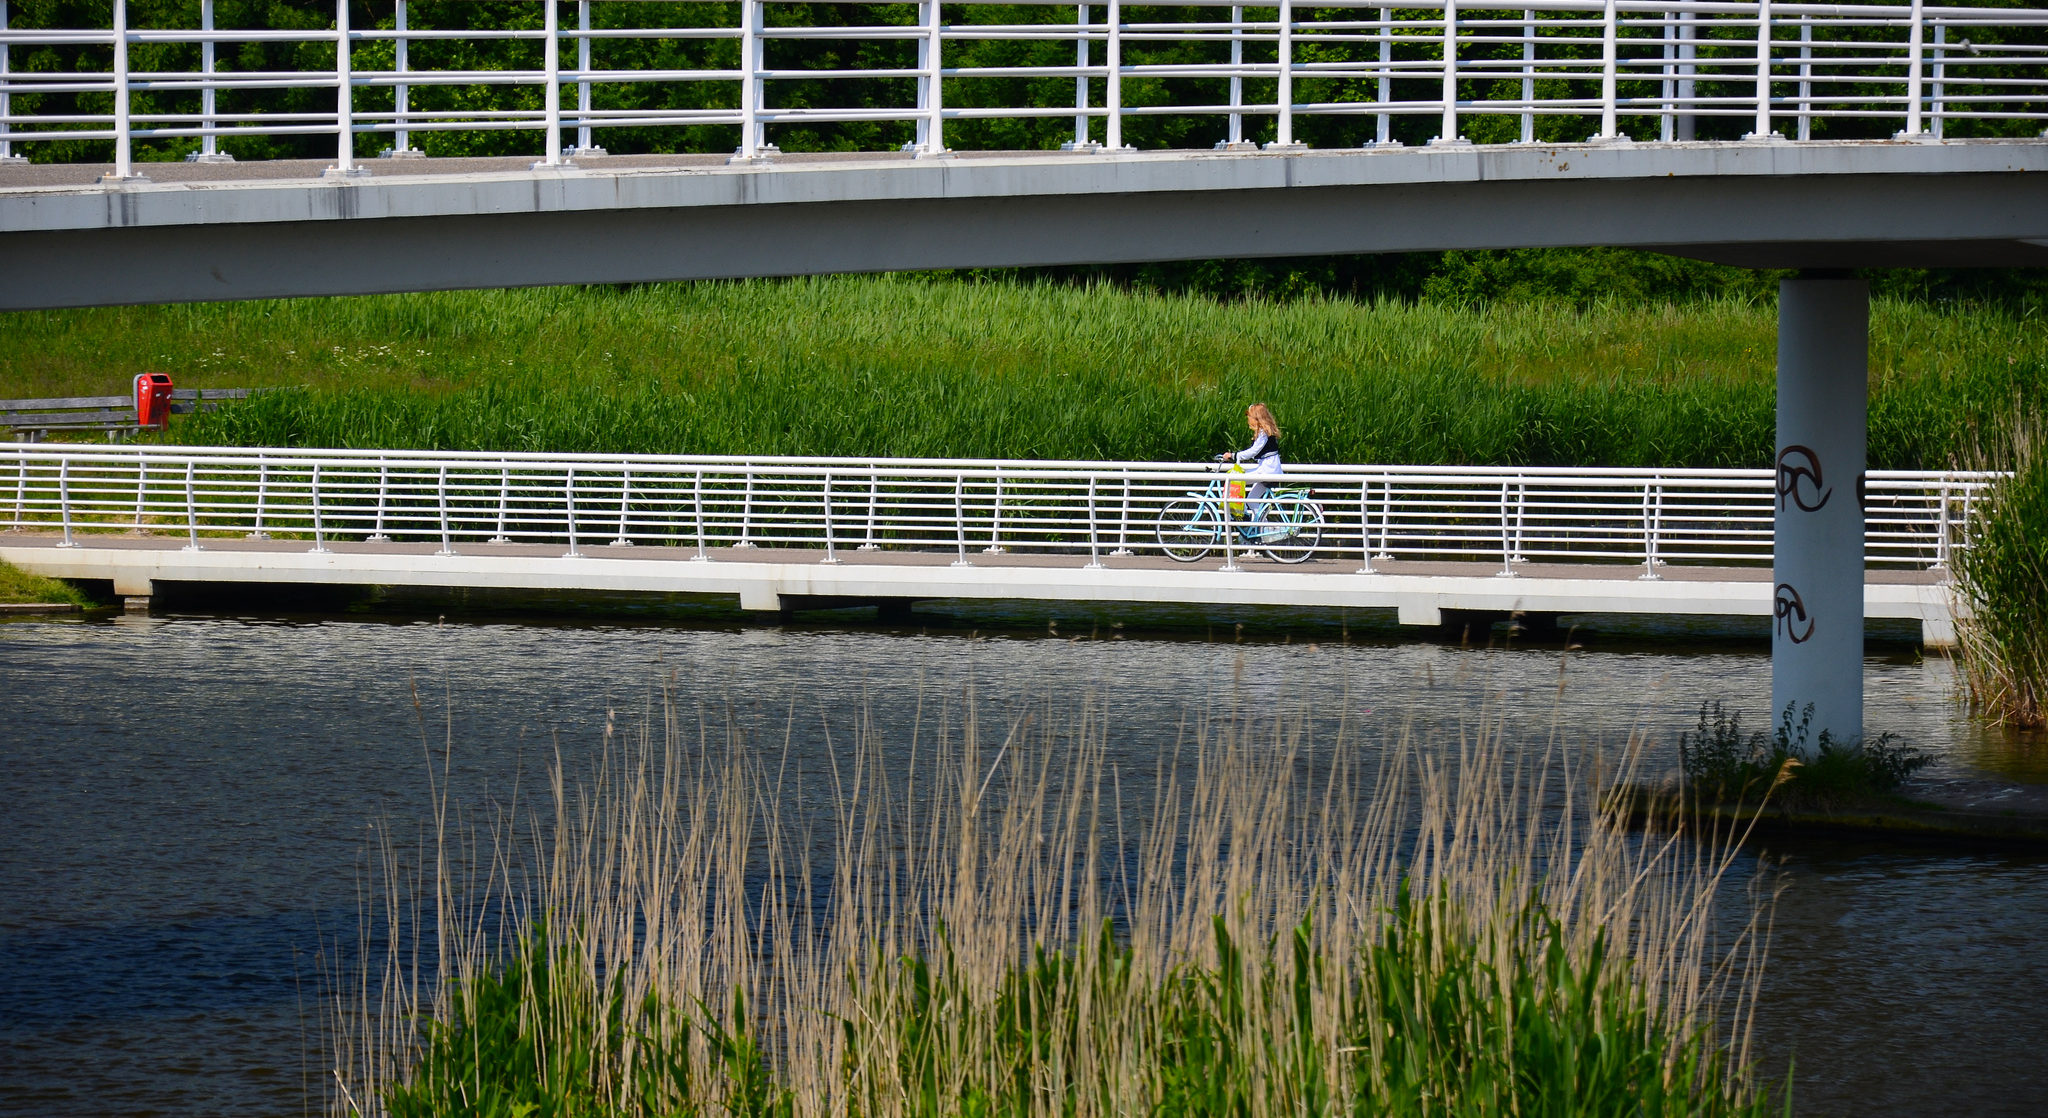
[2001,578]
[971,924]
[920,365]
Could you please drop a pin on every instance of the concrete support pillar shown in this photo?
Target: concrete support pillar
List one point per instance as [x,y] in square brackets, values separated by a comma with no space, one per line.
[1823,394]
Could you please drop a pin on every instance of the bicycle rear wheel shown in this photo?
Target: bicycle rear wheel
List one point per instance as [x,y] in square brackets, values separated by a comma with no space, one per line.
[1186,530]
[1293,528]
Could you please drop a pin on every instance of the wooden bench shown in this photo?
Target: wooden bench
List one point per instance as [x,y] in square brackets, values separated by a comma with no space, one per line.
[33,420]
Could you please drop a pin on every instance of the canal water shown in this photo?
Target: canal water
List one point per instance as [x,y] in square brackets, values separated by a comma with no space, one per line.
[185,800]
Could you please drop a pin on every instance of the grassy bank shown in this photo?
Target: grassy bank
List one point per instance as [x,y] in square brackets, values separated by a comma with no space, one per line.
[1003,924]
[930,366]
[19,586]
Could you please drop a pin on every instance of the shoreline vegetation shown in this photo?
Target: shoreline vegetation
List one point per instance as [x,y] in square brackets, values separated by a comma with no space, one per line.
[966,366]
[20,588]
[1278,921]
[2002,577]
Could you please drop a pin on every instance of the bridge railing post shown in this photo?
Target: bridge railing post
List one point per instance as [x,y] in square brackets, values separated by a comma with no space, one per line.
[1113,81]
[1915,64]
[313,498]
[1938,109]
[1365,527]
[995,519]
[1094,548]
[1384,128]
[1448,135]
[1507,540]
[142,495]
[625,497]
[932,124]
[209,140]
[831,554]
[256,531]
[1283,131]
[1805,77]
[383,490]
[1667,110]
[1081,141]
[1123,518]
[960,520]
[551,97]
[344,98]
[401,94]
[1521,519]
[1763,75]
[1235,134]
[1610,31]
[20,520]
[504,499]
[1653,516]
[1528,135]
[1941,527]
[569,497]
[746,511]
[874,484]
[6,98]
[1685,127]
[586,143]
[697,490]
[750,84]
[441,507]
[124,147]
[191,505]
[64,499]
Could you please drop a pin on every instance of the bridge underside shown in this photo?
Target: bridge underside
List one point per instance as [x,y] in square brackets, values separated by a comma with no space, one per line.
[1816,205]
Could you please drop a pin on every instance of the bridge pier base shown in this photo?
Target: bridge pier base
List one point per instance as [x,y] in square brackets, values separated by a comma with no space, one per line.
[1823,403]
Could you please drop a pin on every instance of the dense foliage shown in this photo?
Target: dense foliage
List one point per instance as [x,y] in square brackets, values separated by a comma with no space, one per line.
[926,366]
[1788,765]
[2002,577]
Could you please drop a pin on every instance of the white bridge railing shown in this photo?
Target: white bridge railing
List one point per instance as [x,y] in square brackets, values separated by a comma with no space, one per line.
[1646,64]
[969,508]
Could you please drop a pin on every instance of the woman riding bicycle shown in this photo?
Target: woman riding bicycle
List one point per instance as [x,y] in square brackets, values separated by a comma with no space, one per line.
[1264,454]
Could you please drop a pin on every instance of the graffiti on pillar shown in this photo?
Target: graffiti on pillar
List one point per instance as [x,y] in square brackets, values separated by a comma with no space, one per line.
[1788,611]
[1799,478]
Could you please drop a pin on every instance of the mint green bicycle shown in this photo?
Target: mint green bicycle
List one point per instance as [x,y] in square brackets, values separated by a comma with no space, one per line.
[1288,528]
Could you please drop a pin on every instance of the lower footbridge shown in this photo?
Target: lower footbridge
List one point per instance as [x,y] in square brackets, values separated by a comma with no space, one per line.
[1434,544]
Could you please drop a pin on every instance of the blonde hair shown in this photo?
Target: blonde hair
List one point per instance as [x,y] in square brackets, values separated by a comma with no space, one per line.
[1262,420]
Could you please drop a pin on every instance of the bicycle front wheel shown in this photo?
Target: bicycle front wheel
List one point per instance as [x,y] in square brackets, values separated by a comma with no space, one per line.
[1292,529]
[1187,530]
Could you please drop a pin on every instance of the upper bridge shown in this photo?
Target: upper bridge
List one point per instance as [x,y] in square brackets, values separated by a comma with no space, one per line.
[1761,134]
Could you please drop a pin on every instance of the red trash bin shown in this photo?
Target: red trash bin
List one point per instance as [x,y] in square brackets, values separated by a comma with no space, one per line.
[153,400]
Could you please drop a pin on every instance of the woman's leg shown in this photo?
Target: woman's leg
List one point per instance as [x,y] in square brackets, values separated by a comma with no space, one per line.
[1255,505]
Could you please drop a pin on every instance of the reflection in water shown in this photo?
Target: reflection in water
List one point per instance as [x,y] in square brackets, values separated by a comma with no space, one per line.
[188,800]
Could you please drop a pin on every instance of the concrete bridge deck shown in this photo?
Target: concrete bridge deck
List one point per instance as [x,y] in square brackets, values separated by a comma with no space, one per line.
[776,578]
[240,231]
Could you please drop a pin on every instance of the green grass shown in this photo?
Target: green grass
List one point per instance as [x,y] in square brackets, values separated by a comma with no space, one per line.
[917,365]
[17,585]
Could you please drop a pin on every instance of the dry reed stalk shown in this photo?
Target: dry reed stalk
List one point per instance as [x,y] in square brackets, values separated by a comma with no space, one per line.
[969,895]
[2001,579]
